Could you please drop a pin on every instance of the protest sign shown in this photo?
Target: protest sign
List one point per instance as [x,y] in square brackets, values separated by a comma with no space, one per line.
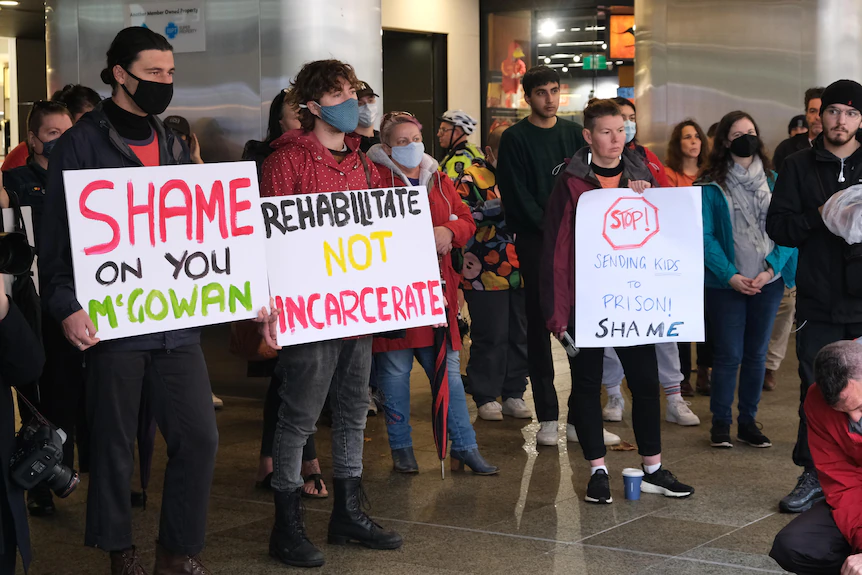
[638,267]
[165,248]
[345,264]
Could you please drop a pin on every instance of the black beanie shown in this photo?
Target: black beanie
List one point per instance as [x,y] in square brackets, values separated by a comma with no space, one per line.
[845,92]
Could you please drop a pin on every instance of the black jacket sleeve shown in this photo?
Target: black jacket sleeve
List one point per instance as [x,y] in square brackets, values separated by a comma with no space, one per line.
[782,150]
[21,355]
[56,279]
[788,221]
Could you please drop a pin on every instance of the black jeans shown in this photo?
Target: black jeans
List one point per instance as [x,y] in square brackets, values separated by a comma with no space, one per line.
[539,358]
[498,354]
[810,339]
[585,403]
[270,420]
[180,392]
[811,544]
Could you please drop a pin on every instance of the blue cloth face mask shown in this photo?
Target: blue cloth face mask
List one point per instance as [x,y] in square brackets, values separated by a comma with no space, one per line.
[410,155]
[631,130]
[344,117]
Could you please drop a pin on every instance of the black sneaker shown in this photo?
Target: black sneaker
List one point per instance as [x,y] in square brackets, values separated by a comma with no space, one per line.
[806,493]
[720,435]
[599,488]
[663,482]
[750,433]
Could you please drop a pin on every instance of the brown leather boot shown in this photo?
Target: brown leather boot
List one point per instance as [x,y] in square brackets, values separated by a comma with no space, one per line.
[769,381]
[685,388]
[169,564]
[126,563]
[703,384]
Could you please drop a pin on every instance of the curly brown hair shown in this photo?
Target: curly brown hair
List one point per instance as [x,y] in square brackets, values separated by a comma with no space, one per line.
[719,157]
[674,150]
[313,81]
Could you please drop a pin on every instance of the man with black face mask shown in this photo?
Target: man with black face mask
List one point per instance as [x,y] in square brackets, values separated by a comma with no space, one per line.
[169,367]
[828,300]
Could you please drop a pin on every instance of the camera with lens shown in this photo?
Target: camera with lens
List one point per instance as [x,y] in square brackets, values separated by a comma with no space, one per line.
[16,254]
[38,458]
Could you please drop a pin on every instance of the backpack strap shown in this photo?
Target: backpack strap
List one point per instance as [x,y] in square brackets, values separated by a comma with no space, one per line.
[364,161]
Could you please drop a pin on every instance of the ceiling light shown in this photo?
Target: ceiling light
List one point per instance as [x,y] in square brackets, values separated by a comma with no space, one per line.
[577,58]
[619,62]
[8,2]
[547,60]
[548,28]
[634,27]
[604,46]
[565,69]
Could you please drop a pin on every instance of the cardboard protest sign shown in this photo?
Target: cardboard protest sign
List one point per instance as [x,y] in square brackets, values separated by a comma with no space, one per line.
[354,263]
[638,267]
[165,248]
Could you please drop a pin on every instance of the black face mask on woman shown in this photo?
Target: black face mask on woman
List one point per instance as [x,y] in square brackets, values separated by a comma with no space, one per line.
[745,146]
[151,97]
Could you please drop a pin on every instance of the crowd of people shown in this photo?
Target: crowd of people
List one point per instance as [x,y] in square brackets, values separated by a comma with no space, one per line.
[504,230]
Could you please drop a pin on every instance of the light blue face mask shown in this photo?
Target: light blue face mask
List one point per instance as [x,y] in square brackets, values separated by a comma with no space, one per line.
[410,155]
[344,117]
[631,130]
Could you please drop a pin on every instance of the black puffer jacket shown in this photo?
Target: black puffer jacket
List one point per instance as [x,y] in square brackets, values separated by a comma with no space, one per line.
[94,143]
[807,179]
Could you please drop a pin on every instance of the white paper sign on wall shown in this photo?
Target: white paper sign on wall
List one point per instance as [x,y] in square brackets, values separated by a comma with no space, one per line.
[182,23]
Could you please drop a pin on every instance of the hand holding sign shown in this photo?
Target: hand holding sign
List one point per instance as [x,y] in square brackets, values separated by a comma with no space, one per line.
[639,186]
[80,331]
[267,324]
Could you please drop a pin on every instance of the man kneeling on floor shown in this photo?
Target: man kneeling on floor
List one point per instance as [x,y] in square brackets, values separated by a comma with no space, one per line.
[828,537]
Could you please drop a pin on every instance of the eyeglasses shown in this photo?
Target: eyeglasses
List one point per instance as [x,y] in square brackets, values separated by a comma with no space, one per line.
[851,114]
[390,115]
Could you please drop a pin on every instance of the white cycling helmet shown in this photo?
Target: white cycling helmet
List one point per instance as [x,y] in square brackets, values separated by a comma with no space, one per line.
[461,119]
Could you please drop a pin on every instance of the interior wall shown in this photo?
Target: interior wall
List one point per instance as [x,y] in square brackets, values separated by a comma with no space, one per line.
[459,20]
[32,81]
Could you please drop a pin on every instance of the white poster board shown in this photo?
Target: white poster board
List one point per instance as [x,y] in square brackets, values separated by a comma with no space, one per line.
[182,23]
[345,264]
[638,267]
[165,248]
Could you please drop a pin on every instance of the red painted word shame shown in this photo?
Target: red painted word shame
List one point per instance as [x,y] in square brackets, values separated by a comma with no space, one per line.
[368,306]
[175,198]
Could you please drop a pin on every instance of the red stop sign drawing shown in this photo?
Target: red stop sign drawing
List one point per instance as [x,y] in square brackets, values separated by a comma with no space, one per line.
[630,223]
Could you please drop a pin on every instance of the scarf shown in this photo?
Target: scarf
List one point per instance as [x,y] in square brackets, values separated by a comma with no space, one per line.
[749,191]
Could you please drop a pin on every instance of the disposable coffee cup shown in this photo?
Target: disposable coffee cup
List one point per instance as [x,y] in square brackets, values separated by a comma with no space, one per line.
[632,480]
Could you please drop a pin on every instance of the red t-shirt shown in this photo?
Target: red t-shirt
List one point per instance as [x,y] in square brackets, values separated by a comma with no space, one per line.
[16,158]
[148,154]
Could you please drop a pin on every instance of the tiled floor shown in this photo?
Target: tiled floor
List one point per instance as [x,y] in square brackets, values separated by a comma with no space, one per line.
[529,519]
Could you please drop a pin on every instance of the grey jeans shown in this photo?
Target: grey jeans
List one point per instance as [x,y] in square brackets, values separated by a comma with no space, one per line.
[340,369]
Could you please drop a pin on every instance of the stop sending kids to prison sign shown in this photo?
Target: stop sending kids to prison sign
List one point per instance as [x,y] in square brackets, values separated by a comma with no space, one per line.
[345,264]
[638,267]
[165,248]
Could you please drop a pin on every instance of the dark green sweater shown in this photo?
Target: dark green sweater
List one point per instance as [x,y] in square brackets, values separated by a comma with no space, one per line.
[525,169]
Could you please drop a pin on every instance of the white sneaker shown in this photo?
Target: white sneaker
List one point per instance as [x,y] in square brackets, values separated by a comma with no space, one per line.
[609,438]
[613,411]
[217,402]
[548,433]
[517,408]
[491,411]
[678,411]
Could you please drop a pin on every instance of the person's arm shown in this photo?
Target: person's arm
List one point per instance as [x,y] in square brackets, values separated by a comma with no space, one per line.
[557,266]
[464,227]
[787,222]
[778,258]
[657,169]
[781,152]
[514,189]
[21,355]
[840,477]
[714,257]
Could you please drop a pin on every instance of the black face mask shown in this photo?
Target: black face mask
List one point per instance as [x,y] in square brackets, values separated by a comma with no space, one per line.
[745,146]
[151,97]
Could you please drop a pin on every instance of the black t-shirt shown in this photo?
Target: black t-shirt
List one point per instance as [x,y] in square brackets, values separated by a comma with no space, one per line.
[368,141]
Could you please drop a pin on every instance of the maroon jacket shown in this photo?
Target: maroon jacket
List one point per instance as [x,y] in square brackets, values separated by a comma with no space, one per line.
[557,279]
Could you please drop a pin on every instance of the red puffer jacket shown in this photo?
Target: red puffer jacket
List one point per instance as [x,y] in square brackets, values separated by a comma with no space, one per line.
[300,164]
[445,202]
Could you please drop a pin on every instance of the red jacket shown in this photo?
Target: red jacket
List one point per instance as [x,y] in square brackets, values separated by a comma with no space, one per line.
[300,164]
[557,274]
[17,157]
[837,456]
[654,164]
[445,202]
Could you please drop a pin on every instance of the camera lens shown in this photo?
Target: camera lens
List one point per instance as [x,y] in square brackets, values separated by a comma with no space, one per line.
[64,481]
[16,255]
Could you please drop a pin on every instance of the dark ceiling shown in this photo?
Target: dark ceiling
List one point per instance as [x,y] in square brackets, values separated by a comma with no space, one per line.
[27,20]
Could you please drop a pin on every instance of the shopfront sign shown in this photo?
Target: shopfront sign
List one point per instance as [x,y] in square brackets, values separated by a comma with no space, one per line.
[182,23]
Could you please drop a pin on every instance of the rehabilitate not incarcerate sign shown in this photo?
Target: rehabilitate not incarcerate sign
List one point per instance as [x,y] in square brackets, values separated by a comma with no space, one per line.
[638,267]
[165,248]
[354,263]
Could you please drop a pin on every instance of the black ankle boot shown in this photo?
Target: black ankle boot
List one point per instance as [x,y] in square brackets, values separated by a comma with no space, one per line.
[289,542]
[350,523]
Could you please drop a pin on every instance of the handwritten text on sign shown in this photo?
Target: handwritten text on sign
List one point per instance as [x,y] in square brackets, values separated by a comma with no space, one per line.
[165,248]
[639,267]
[345,264]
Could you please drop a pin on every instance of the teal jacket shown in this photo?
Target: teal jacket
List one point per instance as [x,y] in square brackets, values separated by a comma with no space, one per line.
[718,254]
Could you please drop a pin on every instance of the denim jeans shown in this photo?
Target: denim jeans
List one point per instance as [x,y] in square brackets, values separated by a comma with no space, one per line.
[741,326]
[339,369]
[393,377]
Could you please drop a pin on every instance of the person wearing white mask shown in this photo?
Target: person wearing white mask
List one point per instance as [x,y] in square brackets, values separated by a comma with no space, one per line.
[401,161]
[651,160]
[369,112]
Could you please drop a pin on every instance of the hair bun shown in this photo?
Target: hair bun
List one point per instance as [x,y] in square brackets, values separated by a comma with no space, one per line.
[107,77]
